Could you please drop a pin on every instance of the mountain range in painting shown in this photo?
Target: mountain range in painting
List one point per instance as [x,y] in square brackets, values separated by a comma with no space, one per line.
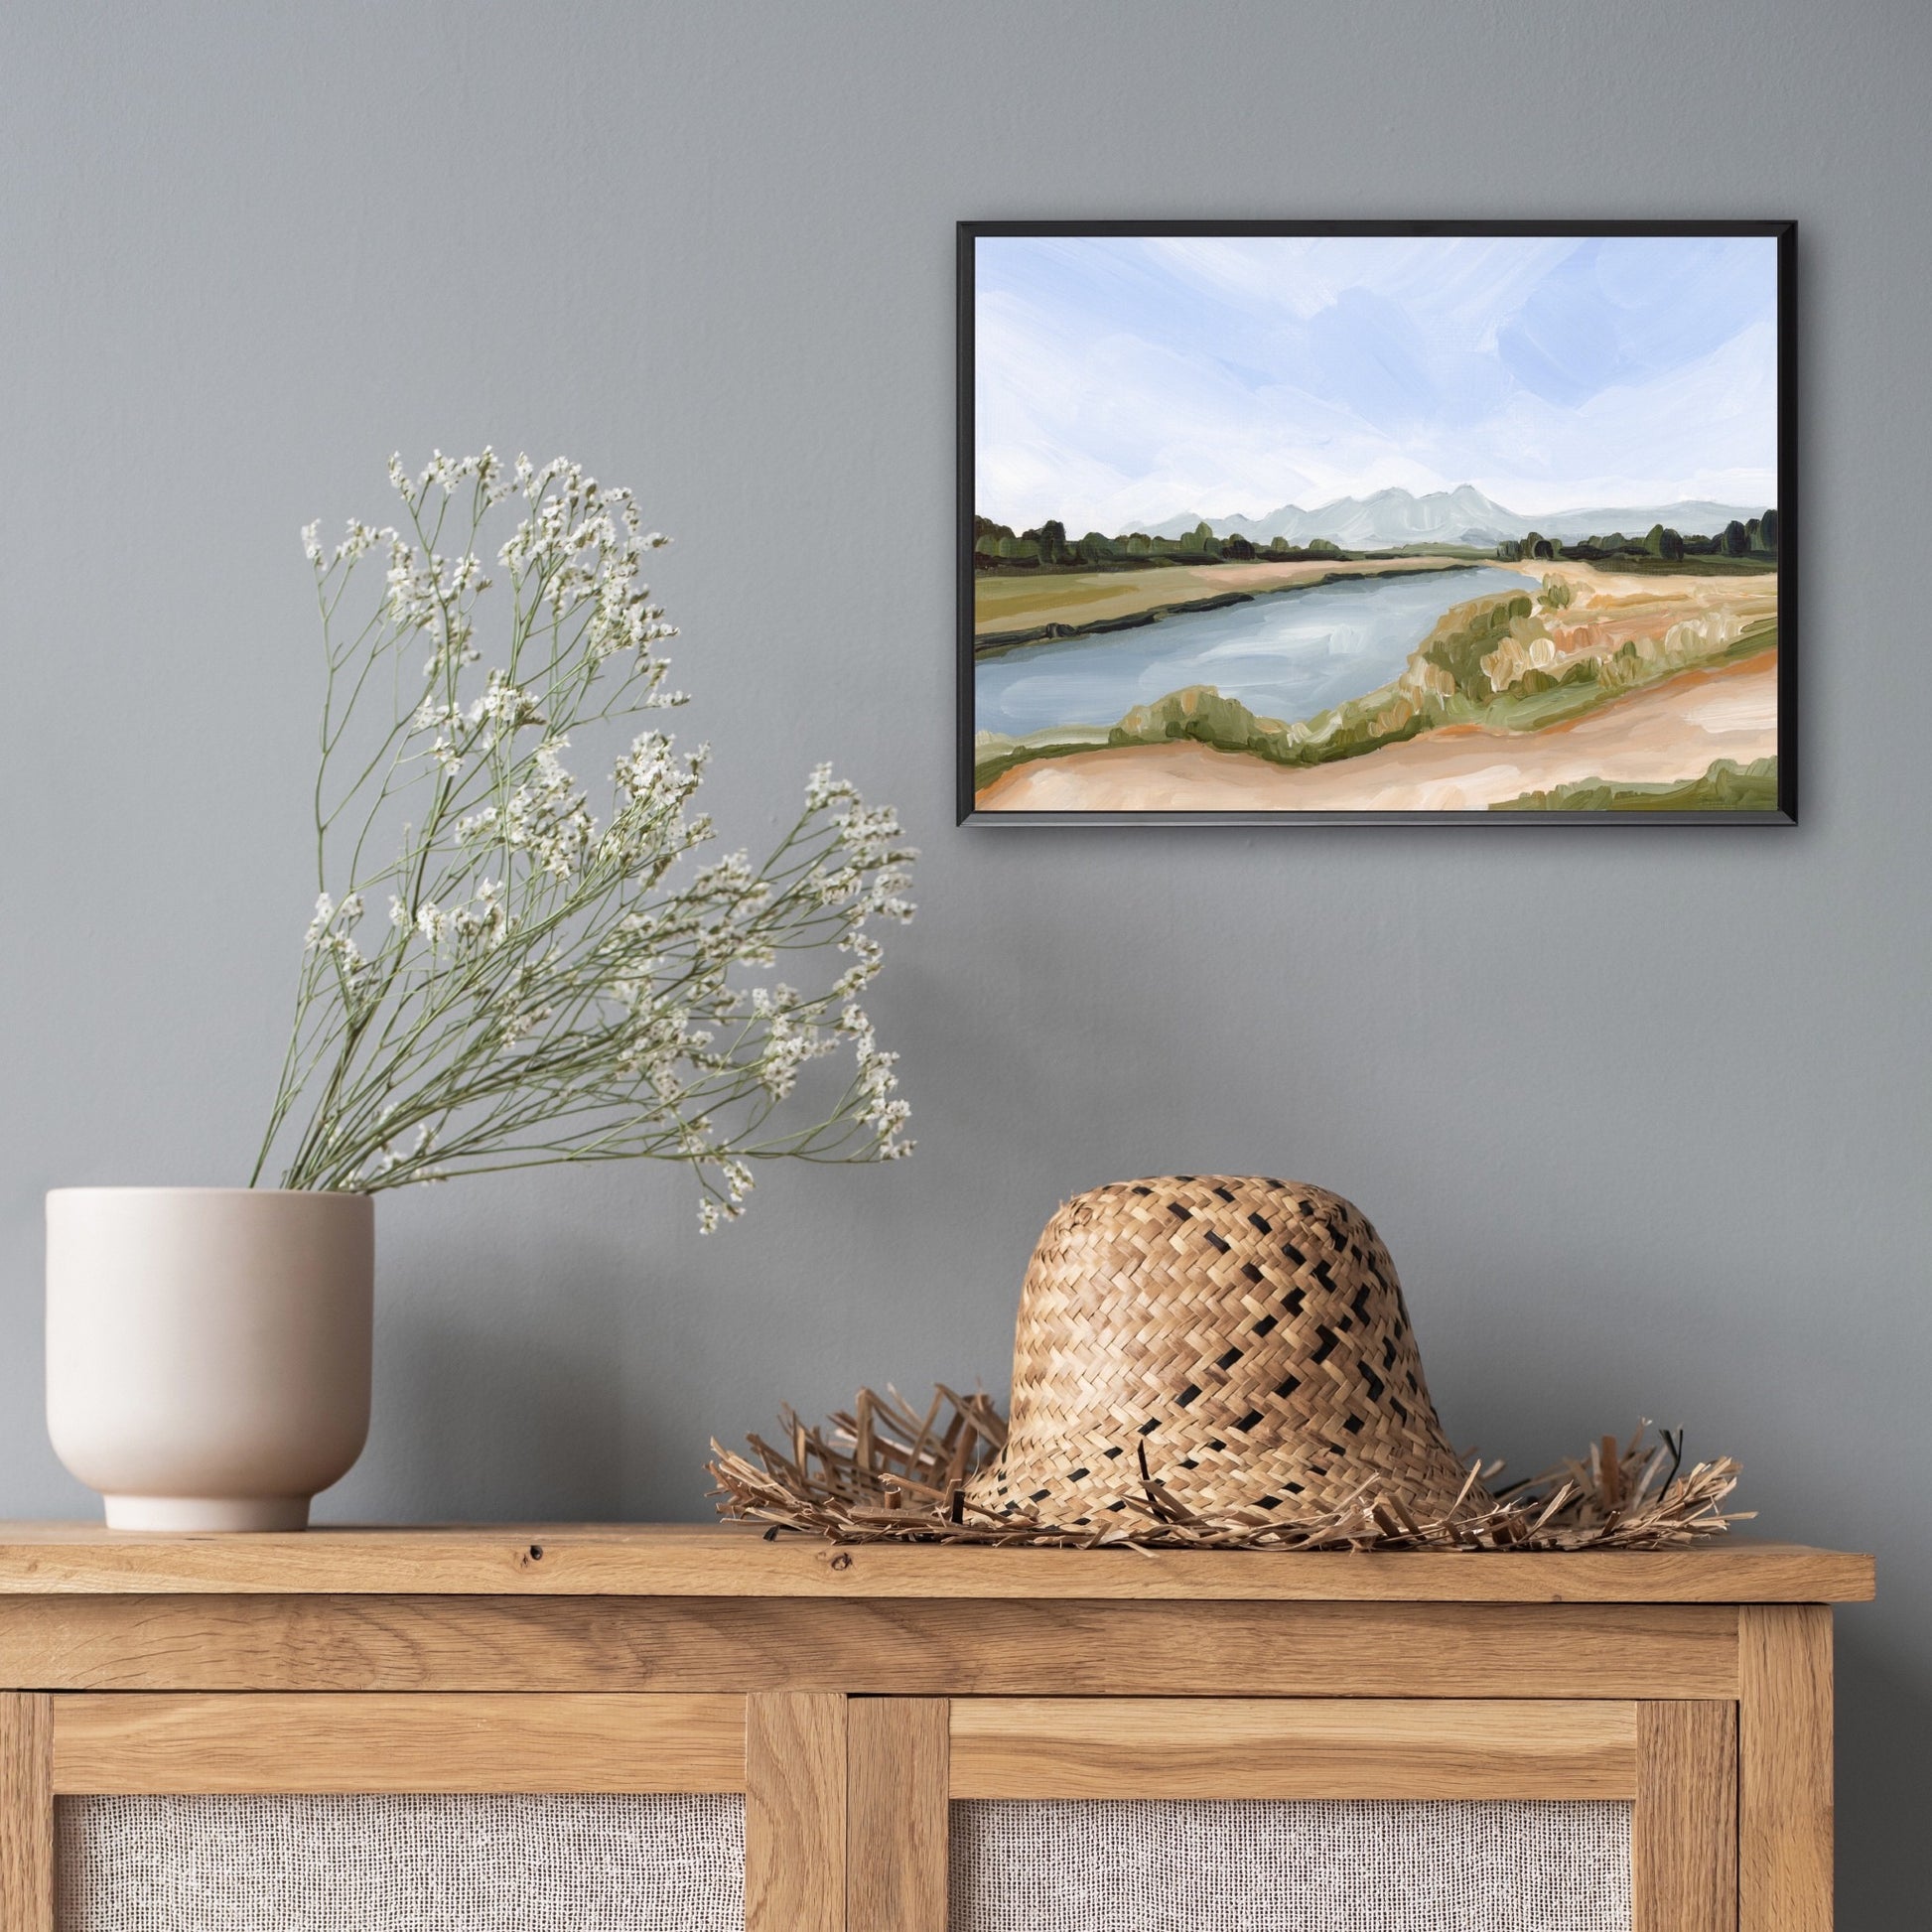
[1464,515]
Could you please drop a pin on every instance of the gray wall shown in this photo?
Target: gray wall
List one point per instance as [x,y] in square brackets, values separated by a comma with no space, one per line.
[1643,1118]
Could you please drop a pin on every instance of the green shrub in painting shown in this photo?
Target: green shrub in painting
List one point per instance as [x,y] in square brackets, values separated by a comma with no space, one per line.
[1725,787]
[1464,637]
[1201,712]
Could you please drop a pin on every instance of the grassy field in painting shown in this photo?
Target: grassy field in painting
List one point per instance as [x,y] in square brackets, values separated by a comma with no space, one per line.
[1512,671]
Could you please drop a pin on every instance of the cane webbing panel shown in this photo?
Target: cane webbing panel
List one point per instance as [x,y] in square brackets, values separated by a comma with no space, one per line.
[393,1864]
[1327,1865]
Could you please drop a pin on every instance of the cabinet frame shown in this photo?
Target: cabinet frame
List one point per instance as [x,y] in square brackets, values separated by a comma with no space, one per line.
[850,1722]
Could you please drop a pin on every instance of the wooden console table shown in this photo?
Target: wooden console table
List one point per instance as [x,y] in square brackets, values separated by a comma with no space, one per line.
[850,1694]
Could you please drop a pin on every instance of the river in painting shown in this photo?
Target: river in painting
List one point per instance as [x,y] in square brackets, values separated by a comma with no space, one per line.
[1286,655]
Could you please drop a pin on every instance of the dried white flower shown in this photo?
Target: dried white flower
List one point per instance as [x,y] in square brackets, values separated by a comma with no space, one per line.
[551,986]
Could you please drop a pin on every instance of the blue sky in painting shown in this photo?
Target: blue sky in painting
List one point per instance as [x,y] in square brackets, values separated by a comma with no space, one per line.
[1124,380]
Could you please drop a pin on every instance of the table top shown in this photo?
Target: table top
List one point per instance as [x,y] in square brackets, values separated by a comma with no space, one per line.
[727,1560]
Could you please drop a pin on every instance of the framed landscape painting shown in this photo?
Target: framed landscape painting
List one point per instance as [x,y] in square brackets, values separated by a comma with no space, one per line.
[1380,522]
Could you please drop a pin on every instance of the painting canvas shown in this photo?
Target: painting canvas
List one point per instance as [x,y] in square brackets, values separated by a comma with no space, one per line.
[1261,522]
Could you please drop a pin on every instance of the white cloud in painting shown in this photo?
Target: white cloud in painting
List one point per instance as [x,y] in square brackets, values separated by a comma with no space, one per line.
[1123,380]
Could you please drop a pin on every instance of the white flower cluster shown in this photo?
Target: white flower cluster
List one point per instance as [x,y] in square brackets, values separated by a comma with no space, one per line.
[583,544]
[553,985]
[449,475]
[481,922]
[331,933]
[546,816]
[360,541]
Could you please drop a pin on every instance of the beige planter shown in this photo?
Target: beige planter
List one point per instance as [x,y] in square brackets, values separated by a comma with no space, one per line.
[207,1349]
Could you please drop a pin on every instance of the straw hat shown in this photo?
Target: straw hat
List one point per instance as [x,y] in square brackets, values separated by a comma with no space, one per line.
[1247,1336]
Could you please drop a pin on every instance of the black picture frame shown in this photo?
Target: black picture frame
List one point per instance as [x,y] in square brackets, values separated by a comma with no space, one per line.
[1785,232]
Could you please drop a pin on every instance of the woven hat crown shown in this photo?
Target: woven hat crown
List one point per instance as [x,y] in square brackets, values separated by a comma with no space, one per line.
[1247,1337]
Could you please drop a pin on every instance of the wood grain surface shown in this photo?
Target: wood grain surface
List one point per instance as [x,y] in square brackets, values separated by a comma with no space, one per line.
[1301,1748]
[717,1559]
[795,1812]
[1784,1770]
[1684,1824]
[896,1824]
[26,1814]
[363,1742]
[903,1647]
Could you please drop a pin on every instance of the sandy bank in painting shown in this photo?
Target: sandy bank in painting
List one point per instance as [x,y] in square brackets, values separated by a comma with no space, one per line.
[1007,609]
[1672,731]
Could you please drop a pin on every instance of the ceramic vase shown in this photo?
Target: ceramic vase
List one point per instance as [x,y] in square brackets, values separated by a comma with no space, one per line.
[207,1349]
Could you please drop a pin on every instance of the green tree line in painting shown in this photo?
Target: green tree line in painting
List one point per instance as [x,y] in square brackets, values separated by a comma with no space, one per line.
[998,547]
[1754,542]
